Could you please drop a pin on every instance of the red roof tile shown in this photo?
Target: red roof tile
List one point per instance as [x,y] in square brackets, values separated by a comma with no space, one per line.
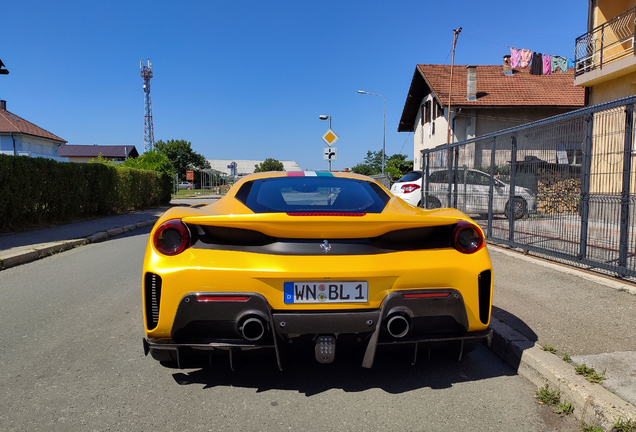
[494,88]
[10,122]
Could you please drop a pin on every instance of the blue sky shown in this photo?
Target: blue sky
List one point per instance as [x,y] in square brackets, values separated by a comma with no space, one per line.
[248,79]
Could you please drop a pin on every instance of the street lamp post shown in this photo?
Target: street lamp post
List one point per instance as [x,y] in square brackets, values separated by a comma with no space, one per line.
[383,125]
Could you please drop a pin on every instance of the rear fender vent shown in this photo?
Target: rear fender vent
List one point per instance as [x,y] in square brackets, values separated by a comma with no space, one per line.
[152,292]
[483,281]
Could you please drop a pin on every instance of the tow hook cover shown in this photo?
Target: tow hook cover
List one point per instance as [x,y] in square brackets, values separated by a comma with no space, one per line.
[325,349]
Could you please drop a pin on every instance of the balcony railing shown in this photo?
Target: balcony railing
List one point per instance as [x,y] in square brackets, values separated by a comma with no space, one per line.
[611,41]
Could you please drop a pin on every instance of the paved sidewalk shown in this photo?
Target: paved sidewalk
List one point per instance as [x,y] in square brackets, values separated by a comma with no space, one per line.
[516,342]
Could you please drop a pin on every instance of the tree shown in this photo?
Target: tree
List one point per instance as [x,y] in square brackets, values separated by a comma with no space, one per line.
[395,165]
[269,164]
[181,156]
[151,160]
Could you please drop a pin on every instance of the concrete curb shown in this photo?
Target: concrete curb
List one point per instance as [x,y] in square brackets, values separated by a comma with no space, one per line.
[593,404]
[27,255]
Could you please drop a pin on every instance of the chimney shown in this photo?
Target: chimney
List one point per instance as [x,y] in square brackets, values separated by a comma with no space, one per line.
[3,105]
[507,69]
[471,83]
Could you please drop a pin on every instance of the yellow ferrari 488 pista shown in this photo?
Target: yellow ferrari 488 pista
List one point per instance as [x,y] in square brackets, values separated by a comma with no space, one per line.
[314,255]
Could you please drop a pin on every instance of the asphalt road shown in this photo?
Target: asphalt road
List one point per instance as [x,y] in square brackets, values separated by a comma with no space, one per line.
[71,359]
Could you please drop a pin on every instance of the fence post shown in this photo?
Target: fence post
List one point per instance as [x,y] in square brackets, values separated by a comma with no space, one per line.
[426,175]
[449,161]
[585,192]
[455,175]
[491,191]
[627,165]
[511,199]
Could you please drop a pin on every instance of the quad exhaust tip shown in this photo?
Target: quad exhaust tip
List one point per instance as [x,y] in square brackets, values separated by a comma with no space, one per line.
[397,325]
[252,329]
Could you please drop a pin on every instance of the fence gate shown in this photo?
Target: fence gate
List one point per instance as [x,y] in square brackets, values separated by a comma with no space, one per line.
[560,187]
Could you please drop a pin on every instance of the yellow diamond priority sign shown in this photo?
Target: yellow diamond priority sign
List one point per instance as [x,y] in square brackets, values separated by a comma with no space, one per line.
[330,137]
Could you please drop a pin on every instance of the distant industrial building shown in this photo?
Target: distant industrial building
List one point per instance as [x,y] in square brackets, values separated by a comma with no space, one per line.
[240,168]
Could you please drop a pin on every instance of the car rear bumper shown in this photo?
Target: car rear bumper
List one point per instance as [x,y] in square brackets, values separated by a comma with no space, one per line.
[245,321]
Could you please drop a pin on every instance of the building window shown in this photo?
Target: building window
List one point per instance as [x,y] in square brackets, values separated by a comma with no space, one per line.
[428,112]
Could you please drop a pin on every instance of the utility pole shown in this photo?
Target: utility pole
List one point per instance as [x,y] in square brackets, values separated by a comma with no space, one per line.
[450,87]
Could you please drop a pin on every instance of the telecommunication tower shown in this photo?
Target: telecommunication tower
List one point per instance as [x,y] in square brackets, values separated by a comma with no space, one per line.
[149,134]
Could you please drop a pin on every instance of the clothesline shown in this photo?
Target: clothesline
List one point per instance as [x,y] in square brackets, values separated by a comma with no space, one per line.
[540,64]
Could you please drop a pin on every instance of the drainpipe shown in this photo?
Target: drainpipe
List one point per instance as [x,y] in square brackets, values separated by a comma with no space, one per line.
[453,122]
[15,151]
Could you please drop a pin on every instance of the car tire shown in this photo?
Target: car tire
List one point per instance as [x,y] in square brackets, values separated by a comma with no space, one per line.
[433,203]
[520,208]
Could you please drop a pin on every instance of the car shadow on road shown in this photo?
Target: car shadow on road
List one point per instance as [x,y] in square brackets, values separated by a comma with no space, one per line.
[393,371]
[514,322]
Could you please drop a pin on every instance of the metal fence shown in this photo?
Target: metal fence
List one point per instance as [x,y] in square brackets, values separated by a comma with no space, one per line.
[559,187]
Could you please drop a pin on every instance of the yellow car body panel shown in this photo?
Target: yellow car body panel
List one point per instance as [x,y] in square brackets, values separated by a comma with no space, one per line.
[209,271]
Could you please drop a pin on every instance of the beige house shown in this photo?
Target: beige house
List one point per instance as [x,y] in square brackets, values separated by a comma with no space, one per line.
[606,69]
[484,99]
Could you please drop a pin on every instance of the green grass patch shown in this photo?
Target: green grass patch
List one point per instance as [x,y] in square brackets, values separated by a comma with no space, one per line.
[589,373]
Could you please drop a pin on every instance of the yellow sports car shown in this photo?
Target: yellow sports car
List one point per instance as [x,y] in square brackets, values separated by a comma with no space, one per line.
[313,255]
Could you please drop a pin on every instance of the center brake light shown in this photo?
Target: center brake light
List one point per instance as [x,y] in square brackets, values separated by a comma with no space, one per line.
[325,214]
[408,188]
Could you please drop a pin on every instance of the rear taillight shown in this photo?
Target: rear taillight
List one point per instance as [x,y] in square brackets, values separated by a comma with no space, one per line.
[467,237]
[172,237]
[408,188]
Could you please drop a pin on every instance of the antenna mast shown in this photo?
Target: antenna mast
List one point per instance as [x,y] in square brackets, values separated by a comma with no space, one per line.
[149,134]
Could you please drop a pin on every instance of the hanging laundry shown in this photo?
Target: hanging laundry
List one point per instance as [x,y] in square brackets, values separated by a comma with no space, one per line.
[515,57]
[537,64]
[559,62]
[547,64]
[526,57]
[570,63]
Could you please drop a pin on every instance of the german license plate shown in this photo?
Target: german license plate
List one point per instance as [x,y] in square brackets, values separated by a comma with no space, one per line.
[326,292]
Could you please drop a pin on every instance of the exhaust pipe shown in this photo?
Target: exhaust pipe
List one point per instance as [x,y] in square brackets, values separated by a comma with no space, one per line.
[253,329]
[397,325]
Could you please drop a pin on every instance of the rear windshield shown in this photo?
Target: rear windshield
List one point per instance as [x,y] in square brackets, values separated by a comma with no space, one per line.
[312,194]
[412,176]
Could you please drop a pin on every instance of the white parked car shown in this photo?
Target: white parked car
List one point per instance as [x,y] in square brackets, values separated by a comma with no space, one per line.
[472,193]
[184,185]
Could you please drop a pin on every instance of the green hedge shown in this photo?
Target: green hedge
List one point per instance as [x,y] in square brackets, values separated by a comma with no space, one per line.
[35,191]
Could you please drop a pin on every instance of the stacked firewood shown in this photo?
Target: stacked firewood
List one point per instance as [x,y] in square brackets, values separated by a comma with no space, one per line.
[558,194]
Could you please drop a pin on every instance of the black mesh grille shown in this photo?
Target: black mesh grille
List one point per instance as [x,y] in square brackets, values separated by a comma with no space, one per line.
[483,281]
[152,287]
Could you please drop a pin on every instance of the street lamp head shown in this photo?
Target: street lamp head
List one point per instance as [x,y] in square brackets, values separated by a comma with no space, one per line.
[323,117]
[362,92]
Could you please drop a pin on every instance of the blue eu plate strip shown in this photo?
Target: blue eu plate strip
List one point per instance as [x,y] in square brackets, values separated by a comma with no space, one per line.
[288,292]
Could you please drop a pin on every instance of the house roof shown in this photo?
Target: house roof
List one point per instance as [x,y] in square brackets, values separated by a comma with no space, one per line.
[244,167]
[107,151]
[494,89]
[10,122]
